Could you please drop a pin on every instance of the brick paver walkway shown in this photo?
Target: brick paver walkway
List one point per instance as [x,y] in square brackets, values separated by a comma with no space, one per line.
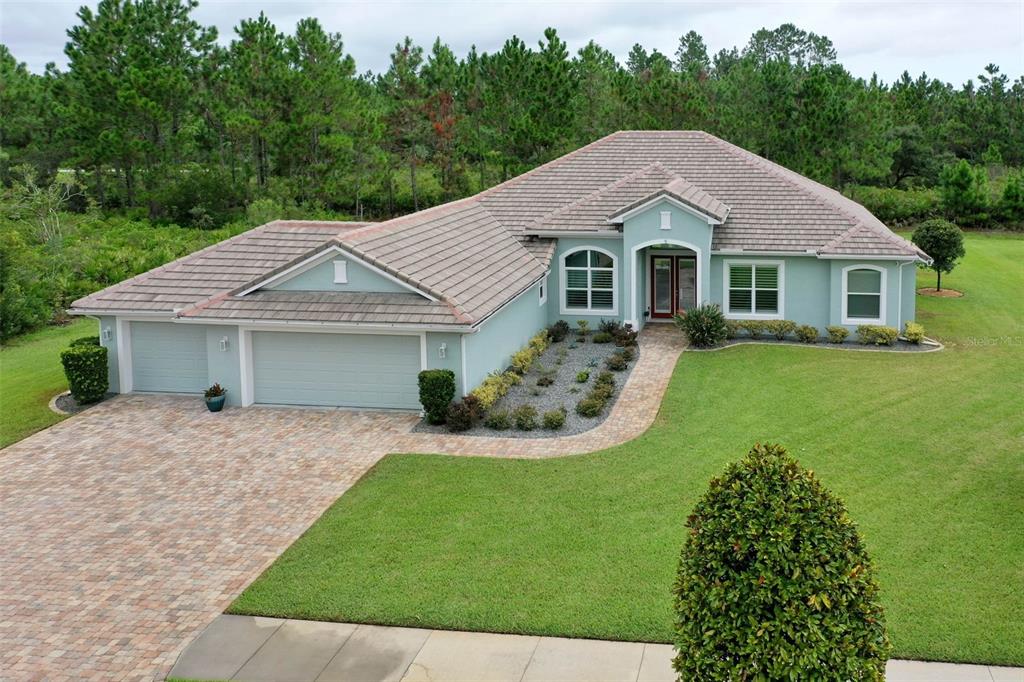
[127,529]
[633,412]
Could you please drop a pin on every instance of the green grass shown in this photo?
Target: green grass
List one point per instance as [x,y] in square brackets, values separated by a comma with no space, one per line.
[924,448]
[30,375]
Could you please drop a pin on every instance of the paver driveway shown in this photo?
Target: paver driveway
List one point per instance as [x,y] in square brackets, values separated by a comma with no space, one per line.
[126,529]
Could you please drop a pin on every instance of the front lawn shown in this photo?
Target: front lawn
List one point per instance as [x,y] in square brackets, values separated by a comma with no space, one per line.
[925,449]
[30,374]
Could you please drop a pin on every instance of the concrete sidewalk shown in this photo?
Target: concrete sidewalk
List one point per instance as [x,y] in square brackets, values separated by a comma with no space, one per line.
[275,650]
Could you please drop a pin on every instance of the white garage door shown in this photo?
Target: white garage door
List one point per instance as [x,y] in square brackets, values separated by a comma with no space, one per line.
[168,357]
[344,370]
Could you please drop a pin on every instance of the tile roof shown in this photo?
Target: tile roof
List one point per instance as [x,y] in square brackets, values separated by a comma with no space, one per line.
[317,306]
[475,254]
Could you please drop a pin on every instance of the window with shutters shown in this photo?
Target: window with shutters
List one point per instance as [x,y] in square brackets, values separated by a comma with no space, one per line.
[589,282]
[754,290]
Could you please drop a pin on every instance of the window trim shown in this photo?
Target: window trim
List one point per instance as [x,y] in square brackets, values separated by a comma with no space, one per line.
[883,292]
[543,292]
[340,272]
[779,315]
[563,281]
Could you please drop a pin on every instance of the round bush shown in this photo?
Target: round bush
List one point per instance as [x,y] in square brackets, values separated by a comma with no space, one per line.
[774,581]
[461,416]
[525,417]
[806,333]
[704,325]
[589,407]
[437,390]
[85,341]
[85,367]
[554,419]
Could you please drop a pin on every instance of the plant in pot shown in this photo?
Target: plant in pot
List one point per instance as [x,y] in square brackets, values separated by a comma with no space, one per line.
[215,396]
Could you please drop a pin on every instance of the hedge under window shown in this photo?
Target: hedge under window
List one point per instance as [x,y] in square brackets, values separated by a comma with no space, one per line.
[589,281]
[863,294]
[753,289]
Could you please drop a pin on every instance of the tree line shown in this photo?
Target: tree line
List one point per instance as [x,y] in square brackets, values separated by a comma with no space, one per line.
[154,116]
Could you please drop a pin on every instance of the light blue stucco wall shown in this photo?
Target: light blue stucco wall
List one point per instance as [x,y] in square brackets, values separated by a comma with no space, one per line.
[899,298]
[645,229]
[502,334]
[806,287]
[223,366]
[452,355]
[113,378]
[321,278]
[556,294]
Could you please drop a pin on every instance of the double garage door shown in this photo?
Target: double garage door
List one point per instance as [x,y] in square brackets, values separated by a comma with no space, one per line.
[288,368]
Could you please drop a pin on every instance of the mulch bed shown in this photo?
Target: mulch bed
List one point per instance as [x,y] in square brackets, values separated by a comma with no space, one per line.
[943,293]
[68,405]
[565,391]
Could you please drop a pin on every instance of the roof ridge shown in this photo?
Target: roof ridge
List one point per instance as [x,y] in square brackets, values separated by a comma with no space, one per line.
[601,190]
[783,173]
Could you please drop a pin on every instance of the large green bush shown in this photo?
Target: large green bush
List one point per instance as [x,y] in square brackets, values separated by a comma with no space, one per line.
[437,391]
[774,581]
[704,325]
[85,366]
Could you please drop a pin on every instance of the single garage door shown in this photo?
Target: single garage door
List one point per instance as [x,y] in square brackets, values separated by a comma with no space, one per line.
[343,370]
[168,357]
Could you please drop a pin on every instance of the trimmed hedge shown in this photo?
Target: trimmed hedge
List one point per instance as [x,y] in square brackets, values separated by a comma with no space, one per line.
[877,334]
[780,329]
[774,581]
[806,333]
[85,367]
[437,390]
[913,332]
[85,341]
[837,334]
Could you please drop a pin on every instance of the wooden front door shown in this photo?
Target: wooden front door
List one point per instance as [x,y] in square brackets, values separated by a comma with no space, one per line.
[673,285]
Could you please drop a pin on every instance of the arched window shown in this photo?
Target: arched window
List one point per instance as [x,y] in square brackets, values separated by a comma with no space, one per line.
[863,294]
[589,282]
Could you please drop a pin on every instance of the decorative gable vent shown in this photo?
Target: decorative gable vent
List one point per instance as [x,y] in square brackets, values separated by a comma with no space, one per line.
[340,272]
[666,220]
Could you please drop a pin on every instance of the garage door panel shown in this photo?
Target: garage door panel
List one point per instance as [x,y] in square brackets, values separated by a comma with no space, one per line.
[168,357]
[347,370]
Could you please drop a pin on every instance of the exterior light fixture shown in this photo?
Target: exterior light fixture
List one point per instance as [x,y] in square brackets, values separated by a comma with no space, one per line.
[106,334]
[224,343]
[442,350]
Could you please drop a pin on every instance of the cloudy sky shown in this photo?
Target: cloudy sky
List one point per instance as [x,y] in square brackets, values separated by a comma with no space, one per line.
[949,40]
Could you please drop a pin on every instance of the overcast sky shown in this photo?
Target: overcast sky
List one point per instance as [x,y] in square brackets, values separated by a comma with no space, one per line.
[949,40]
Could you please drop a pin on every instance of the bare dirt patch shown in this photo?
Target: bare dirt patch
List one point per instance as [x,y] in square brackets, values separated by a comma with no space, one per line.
[943,293]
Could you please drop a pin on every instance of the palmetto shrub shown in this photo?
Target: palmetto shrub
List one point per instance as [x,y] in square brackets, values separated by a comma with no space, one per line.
[704,325]
[774,581]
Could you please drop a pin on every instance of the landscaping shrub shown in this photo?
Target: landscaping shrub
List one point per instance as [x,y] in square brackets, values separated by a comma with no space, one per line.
[589,407]
[732,328]
[85,341]
[837,334]
[605,377]
[554,419]
[85,367]
[774,581]
[522,360]
[558,331]
[704,325]
[602,337]
[539,342]
[913,332]
[609,327]
[877,334]
[582,376]
[780,329]
[525,417]
[627,352]
[583,327]
[545,380]
[494,387]
[626,336]
[602,392]
[616,362]
[437,390]
[806,333]
[460,416]
[755,328]
[499,420]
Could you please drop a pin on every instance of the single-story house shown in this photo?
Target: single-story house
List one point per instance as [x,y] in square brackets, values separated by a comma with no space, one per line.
[634,227]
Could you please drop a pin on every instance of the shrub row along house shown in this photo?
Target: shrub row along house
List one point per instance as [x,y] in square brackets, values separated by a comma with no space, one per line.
[635,227]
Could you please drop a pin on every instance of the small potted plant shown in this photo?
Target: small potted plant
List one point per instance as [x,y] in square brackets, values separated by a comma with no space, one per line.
[215,396]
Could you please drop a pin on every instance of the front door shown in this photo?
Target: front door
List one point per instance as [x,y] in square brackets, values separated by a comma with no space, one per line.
[673,285]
